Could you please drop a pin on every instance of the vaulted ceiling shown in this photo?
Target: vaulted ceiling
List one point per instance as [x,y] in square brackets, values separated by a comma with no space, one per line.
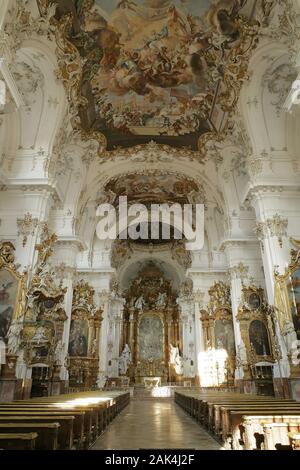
[162,70]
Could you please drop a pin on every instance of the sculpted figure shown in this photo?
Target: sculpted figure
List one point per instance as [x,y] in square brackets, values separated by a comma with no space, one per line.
[14,337]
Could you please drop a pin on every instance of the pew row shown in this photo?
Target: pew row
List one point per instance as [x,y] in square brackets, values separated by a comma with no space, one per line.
[78,418]
[232,419]
[25,441]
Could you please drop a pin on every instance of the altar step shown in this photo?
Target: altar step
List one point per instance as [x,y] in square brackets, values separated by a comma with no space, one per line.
[158,393]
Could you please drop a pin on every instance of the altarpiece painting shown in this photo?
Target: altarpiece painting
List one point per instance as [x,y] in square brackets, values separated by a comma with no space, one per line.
[151,338]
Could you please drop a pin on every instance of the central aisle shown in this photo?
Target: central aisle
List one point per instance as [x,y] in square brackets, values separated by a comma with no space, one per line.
[154,424]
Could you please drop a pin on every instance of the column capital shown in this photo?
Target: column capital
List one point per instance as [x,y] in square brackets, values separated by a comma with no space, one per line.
[240,271]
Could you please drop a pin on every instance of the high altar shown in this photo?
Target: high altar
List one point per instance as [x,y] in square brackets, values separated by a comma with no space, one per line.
[150,325]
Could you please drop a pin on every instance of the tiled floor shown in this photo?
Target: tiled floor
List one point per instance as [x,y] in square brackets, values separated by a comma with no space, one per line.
[154,424]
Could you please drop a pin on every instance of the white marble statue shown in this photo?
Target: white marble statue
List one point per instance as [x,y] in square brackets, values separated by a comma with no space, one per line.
[176,360]
[140,303]
[14,337]
[161,300]
[124,360]
[173,353]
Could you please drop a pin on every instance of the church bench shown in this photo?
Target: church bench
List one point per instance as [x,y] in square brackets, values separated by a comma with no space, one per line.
[78,416]
[232,417]
[65,434]
[214,409]
[96,415]
[295,440]
[20,441]
[203,406]
[206,408]
[269,432]
[47,438]
[96,418]
[90,414]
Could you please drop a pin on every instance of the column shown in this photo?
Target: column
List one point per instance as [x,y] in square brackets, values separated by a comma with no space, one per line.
[104,299]
[199,337]
[187,317]
[65,260]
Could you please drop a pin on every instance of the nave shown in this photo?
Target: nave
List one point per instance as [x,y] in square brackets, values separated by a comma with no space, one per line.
[155,424]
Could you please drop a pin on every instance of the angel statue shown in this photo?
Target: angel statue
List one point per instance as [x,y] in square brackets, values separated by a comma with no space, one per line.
[14,337]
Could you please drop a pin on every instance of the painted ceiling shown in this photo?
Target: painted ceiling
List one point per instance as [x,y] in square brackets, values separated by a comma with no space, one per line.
[162,70]
[152,188]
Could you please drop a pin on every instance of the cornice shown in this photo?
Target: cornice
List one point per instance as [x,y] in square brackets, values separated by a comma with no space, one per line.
[72,241]
[34,185]
[256,191]
[237,242]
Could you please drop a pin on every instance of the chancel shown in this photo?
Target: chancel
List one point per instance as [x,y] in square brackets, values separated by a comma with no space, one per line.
[149,342]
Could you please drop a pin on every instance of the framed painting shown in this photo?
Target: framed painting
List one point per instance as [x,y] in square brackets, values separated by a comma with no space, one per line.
[259,338]
[224,336]
[254,301]
[151,338]
[78,342]
[10,289]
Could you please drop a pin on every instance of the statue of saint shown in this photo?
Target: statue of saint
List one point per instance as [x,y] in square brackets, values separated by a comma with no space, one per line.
[14,337]
[140,303]
[124,360]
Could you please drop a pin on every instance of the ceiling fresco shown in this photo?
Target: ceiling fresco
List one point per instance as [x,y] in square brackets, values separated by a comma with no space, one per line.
[162,70]
[152,188]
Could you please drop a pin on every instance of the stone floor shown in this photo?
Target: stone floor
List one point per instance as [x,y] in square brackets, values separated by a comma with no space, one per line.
[154,425]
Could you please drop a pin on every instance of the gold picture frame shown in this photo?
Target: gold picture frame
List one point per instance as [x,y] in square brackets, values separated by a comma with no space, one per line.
[12,289]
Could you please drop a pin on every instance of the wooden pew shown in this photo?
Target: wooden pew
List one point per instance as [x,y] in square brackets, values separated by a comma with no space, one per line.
[216,411]
[231,422]
[98,411]
[21,441]
[90,416]
[47,433]
[65,434]
[94,420]
[268,432]
[78,416]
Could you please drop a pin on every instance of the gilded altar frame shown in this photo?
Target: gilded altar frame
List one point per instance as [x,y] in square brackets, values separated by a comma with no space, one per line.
[83,368]
[219,309]
[287,307]
[7,265]
[247,314]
